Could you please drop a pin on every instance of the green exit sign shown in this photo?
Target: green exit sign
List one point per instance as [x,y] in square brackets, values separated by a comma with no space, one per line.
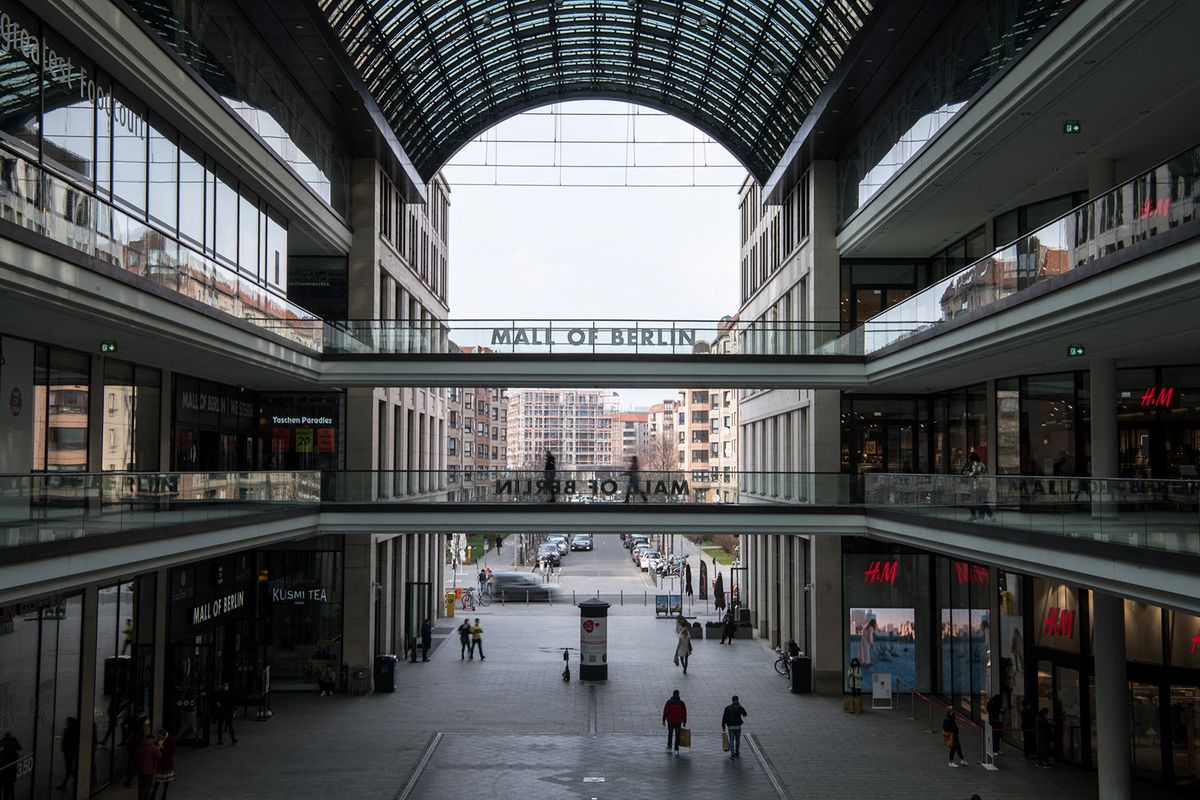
[1075,350]
[108,347]
[1072,126]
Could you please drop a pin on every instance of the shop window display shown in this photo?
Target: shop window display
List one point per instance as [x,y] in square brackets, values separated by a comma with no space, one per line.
[887,609]
[39,695]
[1012,646]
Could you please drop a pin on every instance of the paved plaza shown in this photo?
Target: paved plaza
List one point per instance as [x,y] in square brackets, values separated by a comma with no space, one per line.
[509,727]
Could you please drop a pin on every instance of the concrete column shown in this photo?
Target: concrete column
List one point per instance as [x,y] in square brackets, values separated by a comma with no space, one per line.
[95,440]
[87,690]
[162,605]
[358,606]
[166,400]
[1112,698]
[766,577]
[826,609]
[1103,391]
[399,549]
[783,630]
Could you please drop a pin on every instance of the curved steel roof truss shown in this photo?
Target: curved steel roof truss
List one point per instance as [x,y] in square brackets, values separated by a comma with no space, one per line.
[746,73]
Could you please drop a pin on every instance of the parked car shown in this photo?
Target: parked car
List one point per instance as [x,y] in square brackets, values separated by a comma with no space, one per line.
[549,552]
[635,539]
[560,542]
[647,558]
[581,541]
[637,553]
[513,586]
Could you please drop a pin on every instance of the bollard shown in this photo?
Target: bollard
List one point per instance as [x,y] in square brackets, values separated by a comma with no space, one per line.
[622,597]
[501,597]
[912,704]
[645,598]
[931,717]
[574,602]
[526,597]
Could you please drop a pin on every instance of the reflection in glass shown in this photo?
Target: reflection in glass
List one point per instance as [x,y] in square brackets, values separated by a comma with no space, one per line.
[164,175]
[130,136]
[69,120]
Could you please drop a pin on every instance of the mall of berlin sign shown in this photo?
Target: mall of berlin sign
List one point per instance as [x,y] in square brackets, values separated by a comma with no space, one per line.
[587,337]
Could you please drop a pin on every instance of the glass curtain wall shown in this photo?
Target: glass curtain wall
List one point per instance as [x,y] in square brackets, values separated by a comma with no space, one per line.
[963,591]
[40,648]
[1158,413]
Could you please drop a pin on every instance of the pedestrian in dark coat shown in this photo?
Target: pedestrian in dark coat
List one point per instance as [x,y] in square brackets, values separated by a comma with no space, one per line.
[464,640]
[950,735]
[1045,733]
[226,705]
[10,754]
[426,638]
[731,723]
[165,773]
[1029,728]
[674,716]
[148,753]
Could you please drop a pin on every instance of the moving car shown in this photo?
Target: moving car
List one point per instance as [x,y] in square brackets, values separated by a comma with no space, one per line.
[515,586]
[581,541]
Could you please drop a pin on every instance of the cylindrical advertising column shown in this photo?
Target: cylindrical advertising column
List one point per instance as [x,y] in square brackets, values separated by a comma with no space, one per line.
[593,640]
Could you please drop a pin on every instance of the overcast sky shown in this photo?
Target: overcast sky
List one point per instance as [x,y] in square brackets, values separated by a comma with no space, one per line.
[576,251]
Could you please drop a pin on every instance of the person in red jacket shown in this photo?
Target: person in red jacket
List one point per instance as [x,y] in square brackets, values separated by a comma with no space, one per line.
[674,716]
[166,765]
[147,757]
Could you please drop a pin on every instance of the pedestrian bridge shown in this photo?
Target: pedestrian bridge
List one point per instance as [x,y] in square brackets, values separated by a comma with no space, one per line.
[1140,539]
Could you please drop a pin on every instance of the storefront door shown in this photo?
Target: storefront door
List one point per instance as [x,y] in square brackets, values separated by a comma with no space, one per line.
[188,705]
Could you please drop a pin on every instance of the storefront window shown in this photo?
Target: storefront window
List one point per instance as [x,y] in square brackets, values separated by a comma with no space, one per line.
[39,691]
[130,138]
[1008,427]
[60,423]
[1143,632]
[887,614]
[164,174]
[1056,616]
[303,592]
[964,639]
[132,398]
[1159,422]
[1145,731]
[1184,719]
[1012,644]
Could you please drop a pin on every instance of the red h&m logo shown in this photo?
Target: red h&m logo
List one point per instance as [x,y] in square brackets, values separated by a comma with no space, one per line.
[1059,622]
[1195,641]
[971,573]
[879,572]
[1157,396]
[1150,208]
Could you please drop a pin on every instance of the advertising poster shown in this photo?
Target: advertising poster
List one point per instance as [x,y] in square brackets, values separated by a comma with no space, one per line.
[884,640]
[593,641]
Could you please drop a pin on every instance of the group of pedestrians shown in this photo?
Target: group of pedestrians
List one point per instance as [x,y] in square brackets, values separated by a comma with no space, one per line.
[1037,732]
[674,718]
[470,637]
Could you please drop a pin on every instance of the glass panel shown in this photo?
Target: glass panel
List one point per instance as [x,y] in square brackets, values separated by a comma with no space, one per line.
[1145,735]
[225,224]
[1143,633]
[60,411]
[130,137]
[19,91]
[110,690]
[69,119]
[1185,725]
[248,229]
[191,195]
[164,175]
[1067,726]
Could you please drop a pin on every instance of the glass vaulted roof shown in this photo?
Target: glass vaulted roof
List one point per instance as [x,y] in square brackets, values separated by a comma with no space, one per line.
[746,72]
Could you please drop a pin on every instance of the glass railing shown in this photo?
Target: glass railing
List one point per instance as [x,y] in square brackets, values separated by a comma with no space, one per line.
[46,204]
[51,506]
[584,487]
[1151,204]
[1153,514]
[580,337]
[1158,515]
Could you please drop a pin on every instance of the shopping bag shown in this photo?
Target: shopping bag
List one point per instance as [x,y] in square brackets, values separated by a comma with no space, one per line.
[947,738]
[684,737]
[725,741]
[848,704]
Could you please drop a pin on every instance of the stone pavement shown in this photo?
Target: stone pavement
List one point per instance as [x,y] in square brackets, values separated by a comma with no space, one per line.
[510,723]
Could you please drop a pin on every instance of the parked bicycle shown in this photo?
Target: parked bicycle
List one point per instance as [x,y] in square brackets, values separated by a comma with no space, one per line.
[782,664]
[472,598]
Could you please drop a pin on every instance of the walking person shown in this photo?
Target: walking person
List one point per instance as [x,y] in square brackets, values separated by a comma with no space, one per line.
[70,751]
[977,471]
[226,705]
[477,638]
[426,638]
[483,581]
[683,647]
[727,628]
[165,772]
[995,712]
[464,641]
[148,753]
[634,484]
[950,738]
[499,541]
[731,723]
[10,754]
[854,677]
[1045,733]
[674,716]
[550,476]
[1029,729]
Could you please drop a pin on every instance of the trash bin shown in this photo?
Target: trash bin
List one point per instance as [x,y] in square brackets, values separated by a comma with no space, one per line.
[450,604]
[801,669]
[385,673]
[358,680]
